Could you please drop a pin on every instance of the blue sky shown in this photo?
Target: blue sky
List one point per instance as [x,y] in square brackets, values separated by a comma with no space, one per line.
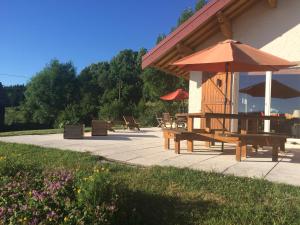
[84,31]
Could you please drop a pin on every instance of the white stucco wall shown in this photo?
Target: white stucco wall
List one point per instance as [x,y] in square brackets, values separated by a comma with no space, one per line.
[195,95]
[274,30]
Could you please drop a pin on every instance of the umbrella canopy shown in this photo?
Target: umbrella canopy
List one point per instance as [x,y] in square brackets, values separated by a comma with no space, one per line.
[178,95]
[279,90]
[235,56]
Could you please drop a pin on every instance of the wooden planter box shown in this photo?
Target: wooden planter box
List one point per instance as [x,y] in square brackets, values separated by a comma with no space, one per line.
[74,131]
[99,128]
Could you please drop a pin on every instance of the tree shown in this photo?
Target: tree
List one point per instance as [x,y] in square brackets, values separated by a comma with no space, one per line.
[200,4]
[50,91]
[92,81]
[160,38]
[14,95]
[185,15]
[123,84]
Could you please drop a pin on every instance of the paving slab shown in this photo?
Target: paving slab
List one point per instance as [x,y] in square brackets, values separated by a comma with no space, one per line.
[146,148]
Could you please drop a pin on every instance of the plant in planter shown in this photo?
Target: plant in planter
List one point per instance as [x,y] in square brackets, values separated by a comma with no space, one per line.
[69,119]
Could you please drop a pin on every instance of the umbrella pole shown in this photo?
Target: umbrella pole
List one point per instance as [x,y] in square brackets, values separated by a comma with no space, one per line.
[225,101]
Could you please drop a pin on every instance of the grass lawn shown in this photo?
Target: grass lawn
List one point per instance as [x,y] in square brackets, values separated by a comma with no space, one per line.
[36,132]
[31,132]
[160,195]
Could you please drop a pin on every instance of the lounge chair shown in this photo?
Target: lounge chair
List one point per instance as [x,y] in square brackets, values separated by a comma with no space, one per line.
[130,123]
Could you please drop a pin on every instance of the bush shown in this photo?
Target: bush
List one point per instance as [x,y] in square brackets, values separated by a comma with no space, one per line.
[71,115]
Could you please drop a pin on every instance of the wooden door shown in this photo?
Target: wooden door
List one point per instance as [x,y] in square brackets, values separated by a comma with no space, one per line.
[213,93]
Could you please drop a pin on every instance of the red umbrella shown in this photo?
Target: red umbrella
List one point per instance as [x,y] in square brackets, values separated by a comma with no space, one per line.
[231,56]
[279,90]
[177,95]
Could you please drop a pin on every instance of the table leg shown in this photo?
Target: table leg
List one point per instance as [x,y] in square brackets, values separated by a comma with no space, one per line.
[244,151]
[167,143]
[190,145]
[177,146]
[275,153]
[282,147]
[238,152]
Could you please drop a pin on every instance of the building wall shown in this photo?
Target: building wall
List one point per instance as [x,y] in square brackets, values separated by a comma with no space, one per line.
[274,30]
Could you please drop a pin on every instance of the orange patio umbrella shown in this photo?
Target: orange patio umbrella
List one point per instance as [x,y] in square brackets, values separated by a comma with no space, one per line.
[177,95]
[231,56]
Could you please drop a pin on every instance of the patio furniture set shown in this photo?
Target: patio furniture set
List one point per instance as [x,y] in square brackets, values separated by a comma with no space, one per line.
[98,128]
[242,138]
[168,121]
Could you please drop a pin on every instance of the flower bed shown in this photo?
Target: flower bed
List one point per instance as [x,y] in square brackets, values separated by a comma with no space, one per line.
[29,195]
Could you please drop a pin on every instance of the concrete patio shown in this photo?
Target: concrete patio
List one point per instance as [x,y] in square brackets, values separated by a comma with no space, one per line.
[146,148]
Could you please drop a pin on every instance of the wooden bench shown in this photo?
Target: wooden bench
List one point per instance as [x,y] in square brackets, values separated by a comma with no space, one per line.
[241,140]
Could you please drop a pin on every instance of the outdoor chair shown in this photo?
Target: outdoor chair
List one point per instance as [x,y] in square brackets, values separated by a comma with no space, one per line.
[130,123]
[181,122]
[160,121]
[167,120]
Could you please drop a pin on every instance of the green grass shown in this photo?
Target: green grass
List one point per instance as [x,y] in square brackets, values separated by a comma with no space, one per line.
[30,132]
[180,196]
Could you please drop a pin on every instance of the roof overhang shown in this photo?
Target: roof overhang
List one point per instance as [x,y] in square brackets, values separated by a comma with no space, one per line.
[214,17]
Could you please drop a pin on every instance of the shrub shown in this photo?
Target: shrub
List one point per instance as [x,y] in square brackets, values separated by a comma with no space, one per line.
[71,115]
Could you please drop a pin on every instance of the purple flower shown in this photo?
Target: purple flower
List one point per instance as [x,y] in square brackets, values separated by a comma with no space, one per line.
[52,215]
[2,211]
[10,210]
[38,196]
[34,221]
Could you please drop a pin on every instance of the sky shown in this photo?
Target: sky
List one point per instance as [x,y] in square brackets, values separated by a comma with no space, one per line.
[82,31]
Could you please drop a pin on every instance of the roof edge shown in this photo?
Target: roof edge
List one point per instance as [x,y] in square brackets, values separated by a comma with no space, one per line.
[201,16]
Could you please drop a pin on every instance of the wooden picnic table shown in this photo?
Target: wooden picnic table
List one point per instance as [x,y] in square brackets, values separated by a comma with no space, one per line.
[244,119]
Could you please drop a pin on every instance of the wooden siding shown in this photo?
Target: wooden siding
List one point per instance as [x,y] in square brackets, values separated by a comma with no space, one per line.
[213,93]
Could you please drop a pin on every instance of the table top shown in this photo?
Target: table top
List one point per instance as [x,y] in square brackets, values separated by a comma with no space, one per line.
[229,116]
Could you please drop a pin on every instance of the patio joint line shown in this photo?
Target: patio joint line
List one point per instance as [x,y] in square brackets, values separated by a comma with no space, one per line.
[273,167]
